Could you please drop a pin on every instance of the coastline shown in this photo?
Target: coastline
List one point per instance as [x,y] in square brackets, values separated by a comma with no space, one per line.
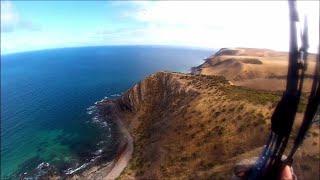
[124,153]
[112,169]
[166,87]
[79,141]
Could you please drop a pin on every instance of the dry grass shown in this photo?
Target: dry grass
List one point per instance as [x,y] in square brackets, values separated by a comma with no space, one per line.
[197,127]
[253,68]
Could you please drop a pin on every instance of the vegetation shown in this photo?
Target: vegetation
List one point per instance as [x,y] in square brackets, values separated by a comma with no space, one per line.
[251,61]
[237,93]
[196,127]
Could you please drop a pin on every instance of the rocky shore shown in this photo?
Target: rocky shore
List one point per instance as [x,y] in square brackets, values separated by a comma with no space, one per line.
[110,170]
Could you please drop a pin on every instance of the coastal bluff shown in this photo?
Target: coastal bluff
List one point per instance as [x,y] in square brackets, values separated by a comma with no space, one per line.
[188,126]
[199,125]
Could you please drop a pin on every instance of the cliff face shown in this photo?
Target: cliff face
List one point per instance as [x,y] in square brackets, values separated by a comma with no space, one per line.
[155,90]
[197,127]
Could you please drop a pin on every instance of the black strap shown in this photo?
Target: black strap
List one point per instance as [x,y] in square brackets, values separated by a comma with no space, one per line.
[312,106]
[270,163]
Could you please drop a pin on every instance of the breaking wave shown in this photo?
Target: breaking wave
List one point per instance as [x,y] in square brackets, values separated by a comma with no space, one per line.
[96,118]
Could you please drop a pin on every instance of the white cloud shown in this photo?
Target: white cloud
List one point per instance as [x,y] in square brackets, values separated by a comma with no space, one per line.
[210,24]
[223,23]
[11,20]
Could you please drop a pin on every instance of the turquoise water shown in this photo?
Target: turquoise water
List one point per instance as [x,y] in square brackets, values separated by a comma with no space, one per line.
[45,96]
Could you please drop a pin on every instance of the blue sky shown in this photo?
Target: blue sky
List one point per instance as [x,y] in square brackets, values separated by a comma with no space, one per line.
[34,25]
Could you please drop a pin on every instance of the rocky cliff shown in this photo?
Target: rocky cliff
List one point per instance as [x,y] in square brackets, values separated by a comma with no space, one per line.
[197,127]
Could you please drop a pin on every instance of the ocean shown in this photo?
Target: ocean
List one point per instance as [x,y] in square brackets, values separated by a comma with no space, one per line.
[48,97]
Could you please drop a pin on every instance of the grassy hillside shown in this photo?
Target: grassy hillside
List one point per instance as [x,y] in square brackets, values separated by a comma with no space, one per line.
[260,69]
[197,127]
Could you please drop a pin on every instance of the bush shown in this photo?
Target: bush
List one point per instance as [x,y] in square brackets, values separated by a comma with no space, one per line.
[242,128]
[241,107]
[217,113]
[251,61]
[256,97]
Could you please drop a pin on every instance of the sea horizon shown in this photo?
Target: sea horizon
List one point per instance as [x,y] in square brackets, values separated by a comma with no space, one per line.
[111,45]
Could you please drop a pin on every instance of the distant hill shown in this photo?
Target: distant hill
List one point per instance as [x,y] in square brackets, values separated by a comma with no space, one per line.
[254,68]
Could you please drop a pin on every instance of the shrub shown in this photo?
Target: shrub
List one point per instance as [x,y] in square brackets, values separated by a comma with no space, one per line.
[251,61]
[241,128]
[217,113]
[241,107]
[256,97]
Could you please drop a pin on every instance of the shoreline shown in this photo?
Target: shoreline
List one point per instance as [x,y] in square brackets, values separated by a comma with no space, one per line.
[124,154]
[114,168]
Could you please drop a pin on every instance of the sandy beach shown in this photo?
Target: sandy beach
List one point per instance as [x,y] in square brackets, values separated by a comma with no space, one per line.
[125,153]
[112,170]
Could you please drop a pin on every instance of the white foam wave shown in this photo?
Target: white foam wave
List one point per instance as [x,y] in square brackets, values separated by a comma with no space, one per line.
[43,165]
[115,95]
[98,152]
[71,171]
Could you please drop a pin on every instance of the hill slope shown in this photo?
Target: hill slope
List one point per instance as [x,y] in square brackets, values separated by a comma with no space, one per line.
[197,127]
[255,68]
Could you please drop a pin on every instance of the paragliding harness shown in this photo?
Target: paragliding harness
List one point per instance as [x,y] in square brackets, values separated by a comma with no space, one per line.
[271,162]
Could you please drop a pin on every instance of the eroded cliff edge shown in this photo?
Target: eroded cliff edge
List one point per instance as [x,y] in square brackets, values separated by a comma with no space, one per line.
[197,127]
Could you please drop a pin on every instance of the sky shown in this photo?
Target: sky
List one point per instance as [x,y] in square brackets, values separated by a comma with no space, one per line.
[36,25]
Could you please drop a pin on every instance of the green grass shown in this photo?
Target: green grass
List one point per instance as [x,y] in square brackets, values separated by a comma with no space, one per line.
[256,97]
[259,96]
[251,61]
